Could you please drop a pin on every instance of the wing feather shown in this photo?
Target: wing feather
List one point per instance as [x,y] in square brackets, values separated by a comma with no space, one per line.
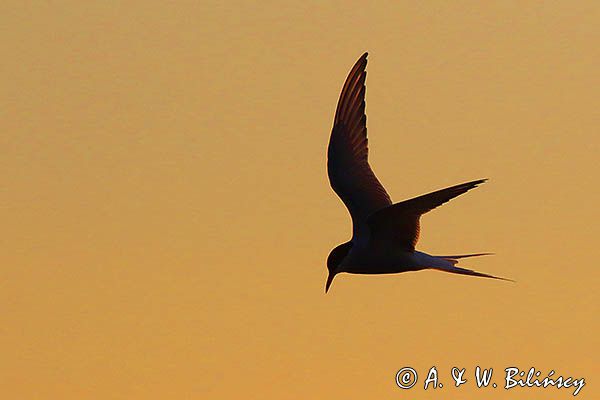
[350,174]
[400,222]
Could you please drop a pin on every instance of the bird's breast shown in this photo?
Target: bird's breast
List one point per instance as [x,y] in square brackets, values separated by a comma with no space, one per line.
[374,259]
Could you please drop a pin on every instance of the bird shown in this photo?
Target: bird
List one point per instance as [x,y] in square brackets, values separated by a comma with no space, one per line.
[384,234]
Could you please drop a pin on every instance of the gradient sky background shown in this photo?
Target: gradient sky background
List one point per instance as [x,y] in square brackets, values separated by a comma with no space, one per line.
[166,211]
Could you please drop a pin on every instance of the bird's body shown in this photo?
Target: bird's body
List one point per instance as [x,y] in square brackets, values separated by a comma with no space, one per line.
[384,234]
[377,258]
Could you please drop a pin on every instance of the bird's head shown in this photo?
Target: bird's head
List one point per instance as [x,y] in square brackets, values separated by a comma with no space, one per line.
[334,260]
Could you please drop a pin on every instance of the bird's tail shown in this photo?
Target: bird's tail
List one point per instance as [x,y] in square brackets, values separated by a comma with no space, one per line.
[463,271]
[454,259]
[448,264]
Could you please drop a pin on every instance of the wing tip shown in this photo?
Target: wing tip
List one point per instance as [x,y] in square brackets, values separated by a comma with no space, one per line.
[473,184]
[362,60]
[358,69]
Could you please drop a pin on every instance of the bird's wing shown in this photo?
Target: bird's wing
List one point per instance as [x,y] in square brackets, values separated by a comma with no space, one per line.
[349,172]
[400,222]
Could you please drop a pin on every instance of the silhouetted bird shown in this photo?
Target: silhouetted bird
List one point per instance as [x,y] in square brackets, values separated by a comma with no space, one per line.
[384,234]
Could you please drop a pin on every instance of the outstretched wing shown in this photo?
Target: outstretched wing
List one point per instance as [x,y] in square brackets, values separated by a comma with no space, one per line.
[400,222]
[350,174]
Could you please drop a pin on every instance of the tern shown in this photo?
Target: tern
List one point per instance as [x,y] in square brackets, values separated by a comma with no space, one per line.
[384,234]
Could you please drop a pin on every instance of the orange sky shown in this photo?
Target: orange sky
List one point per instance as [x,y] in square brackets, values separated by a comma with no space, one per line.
[167,213]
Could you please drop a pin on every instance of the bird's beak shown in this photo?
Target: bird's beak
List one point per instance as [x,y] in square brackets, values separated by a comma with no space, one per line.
[329,280]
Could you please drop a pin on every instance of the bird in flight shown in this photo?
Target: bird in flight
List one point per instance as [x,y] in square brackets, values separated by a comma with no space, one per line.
[384,234]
